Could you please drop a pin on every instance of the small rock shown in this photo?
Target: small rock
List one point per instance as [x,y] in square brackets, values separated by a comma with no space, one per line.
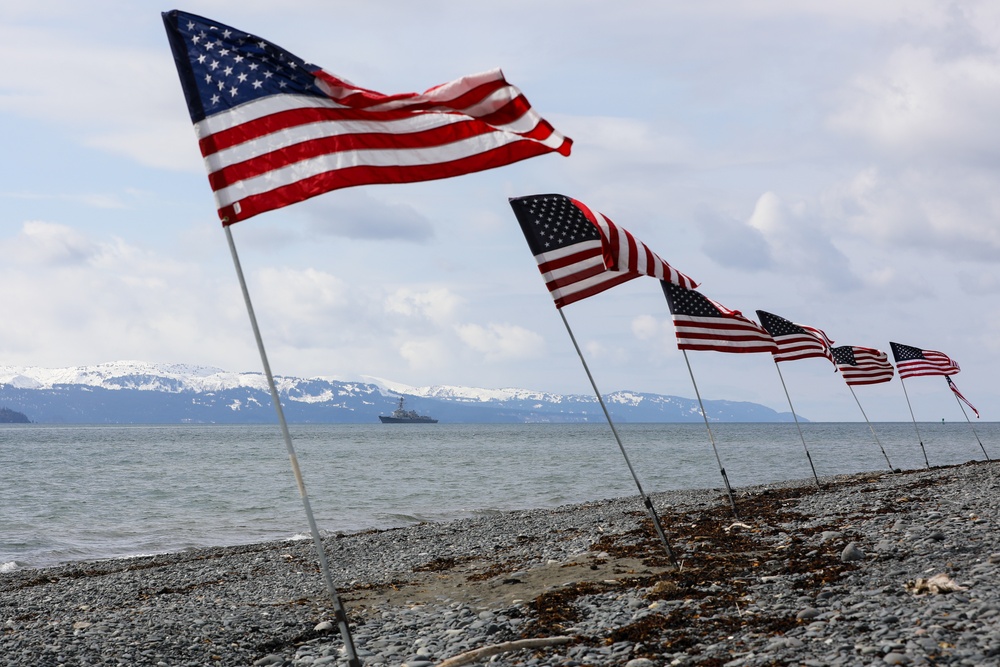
[807,613]
[325,626]
[852,553]
[893,658]
[936,535]
[639,662]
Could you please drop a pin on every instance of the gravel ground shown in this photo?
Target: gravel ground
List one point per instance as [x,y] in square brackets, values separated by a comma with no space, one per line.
[874,568]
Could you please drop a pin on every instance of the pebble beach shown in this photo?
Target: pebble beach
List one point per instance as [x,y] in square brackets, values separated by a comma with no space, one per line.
[867,569]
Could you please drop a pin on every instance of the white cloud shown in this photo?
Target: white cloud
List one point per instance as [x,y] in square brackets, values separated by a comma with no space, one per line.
[646,327]
[298,294]
[90,299]
[437,305]
[93,199]
[498,342]
[425,354]
[918,208]
[732,243]
[50,244]
[356,214]
[923,103]
[122,99]
[165,143]
[597,351]
[798,243]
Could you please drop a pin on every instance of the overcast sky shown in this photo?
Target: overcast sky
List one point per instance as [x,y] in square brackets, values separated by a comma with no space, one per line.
[833,163]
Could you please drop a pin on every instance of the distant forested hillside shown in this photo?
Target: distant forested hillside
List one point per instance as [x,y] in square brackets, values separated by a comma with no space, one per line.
[8,416]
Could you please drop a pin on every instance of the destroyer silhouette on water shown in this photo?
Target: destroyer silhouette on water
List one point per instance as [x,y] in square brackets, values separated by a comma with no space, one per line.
[401,416]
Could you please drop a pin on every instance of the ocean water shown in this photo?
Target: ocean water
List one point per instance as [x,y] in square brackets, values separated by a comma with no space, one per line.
[70,493]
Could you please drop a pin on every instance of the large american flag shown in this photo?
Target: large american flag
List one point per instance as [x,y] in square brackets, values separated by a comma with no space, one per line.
[952,386]
[795,341]
[862,365]
[581,252]
[275,130]
[912,361]
[704,324]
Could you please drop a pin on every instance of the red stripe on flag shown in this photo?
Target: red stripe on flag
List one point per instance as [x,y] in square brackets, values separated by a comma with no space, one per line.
[368,175]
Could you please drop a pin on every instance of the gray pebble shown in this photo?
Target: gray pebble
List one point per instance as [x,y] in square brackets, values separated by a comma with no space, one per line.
[852,553]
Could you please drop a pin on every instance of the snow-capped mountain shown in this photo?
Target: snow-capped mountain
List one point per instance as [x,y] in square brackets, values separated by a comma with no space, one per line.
[135,392]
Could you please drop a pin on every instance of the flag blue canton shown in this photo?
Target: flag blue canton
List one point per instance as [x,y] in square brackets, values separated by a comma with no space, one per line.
[689,302]
[226,67]
[555,222]
[905,352]
[844,355]
[778,326]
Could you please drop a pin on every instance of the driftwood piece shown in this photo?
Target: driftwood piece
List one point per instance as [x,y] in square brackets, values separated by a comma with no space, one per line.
[939,583]
[493,649]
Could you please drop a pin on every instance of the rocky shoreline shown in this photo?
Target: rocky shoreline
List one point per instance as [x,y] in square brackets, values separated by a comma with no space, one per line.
[874,568]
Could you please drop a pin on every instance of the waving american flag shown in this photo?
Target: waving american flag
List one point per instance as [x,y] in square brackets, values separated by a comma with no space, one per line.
[912,361]
[581,252]
[704,324]
[951,385]
[862,365]
[795,341]
[275,130]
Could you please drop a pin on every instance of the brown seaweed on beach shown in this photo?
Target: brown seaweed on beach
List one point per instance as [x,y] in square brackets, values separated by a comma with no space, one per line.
[720,557]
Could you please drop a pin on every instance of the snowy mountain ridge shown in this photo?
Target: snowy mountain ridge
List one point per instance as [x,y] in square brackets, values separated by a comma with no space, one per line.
[143,392]
[146,376]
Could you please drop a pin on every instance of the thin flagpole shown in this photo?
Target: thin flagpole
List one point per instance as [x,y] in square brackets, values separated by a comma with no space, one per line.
[962,408]
[645,499]
[870,428]
[797,425]
[711,437]
[340,612]
[915,429]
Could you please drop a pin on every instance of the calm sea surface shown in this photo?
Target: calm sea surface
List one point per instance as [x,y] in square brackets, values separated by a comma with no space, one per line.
[84,492]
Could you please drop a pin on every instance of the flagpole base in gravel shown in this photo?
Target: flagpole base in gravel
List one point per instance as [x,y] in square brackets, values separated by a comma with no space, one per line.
[645,499]
[339,611]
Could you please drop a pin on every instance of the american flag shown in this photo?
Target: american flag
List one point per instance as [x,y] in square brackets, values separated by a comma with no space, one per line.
[580,252]
[862,365]
[952,386]
[275,130]
[703,324]
[912,361]
[795,341]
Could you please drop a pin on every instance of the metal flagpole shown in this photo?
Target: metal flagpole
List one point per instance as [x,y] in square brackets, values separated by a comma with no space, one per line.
[871,428]
[962,407]
[645,499]
[711,437]
[916,430]
[340,612]
[795,417]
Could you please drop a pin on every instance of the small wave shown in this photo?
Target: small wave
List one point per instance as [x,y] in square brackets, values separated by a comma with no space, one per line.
[486,512]
[394,518]
[9,566]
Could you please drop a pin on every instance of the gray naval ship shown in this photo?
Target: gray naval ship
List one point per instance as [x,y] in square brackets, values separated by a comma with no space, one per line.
[401,416]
